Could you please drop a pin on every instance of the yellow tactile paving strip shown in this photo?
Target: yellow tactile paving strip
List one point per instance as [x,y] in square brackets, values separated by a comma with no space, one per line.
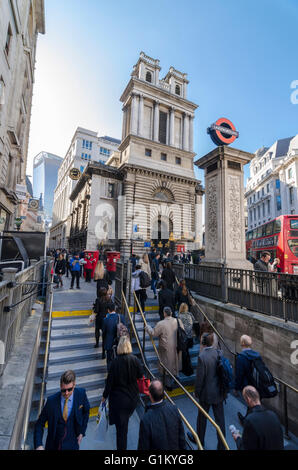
[81,313]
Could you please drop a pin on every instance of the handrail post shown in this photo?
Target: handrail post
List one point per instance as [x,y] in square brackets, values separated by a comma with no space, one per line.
[224,284]
[285,401]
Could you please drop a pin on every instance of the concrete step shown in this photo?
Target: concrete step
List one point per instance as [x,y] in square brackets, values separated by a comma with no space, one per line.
[80,368]
[88,381]
[75,355]
[72,333]
[73,343]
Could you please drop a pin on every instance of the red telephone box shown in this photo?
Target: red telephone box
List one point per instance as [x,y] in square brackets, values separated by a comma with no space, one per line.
[112,258]
[94,255]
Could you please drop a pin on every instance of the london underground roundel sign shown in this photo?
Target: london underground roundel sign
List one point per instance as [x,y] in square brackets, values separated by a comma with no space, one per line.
[223,132]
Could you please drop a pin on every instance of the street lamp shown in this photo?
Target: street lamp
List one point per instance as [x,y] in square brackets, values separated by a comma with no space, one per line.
[18,222]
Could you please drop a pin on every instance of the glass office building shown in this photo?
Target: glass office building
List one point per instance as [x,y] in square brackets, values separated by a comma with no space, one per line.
[45,174]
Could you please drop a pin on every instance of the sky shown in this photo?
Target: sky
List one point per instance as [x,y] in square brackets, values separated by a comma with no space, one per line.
[240,57]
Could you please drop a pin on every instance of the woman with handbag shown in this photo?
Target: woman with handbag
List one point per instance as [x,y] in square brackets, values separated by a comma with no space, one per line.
[101,309]
[122,389]
[188,321]
[182,295]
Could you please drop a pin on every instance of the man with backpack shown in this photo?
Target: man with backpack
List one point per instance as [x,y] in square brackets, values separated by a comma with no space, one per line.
[208,389]
[251,370]
[112,327]
[140,282]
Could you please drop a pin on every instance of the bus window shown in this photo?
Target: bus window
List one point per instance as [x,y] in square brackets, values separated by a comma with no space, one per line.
[277,226]
[259,232]
[250,235]
[294,223]
[263,230]
[293,245]
[254,233]
[269,228]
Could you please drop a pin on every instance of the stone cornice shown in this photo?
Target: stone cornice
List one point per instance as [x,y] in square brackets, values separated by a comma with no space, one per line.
[157,145]
[127,168]
[224,152]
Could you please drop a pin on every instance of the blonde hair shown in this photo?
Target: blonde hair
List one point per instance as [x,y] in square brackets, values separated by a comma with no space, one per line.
[99,271]
[124,346]
[145,258]
[183,308]
[246,340]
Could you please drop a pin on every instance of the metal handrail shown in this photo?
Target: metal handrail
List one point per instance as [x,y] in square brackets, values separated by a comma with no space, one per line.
[222,438]
[198,442]
[285,385]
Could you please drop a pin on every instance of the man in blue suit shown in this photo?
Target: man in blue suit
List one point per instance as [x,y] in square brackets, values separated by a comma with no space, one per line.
[109,331]
[67,414]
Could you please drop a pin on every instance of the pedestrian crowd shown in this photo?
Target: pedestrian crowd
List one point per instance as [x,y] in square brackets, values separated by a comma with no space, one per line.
[179,327]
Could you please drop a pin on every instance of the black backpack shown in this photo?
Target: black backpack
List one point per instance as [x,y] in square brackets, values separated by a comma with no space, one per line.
[262,379]
[145,280]
[181,338]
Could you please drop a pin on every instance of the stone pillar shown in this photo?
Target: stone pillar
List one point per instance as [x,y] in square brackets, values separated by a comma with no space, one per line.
[141,115]
[190,147]
[224,207]
[172,126]
[134,115]
[199,217]
[156,122]
[185,141]
[124,122]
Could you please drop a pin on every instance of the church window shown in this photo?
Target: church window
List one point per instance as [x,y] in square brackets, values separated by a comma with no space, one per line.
[177,90]
[163,127]
[163,157]
[148,152]
[148,77]
[111,189]
[178,161]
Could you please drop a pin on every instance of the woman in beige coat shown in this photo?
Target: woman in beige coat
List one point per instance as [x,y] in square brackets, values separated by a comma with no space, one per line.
[145,264]
[166,331]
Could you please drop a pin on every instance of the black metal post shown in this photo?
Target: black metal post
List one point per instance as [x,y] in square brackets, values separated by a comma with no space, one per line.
[286,412]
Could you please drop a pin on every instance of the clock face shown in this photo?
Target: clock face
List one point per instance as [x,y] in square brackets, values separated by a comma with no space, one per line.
[74,174]
[33,204]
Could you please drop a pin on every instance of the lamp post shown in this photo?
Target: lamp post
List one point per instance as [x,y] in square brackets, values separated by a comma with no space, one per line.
[18,222]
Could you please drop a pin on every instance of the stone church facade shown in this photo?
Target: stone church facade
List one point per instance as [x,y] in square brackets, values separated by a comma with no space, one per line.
[147,191]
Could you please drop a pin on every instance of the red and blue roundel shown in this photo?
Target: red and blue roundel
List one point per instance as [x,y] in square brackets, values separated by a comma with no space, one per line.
[223,132]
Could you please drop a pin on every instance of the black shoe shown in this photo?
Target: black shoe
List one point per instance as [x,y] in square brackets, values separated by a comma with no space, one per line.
[103,356]
[190,437]
[169,388]
[71,287]
[240,417]
[155,297]
[78,288]
[96,345]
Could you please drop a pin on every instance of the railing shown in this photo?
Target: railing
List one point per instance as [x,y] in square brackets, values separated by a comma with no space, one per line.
[149,373]
[17,294]
[257,291]
[165,370]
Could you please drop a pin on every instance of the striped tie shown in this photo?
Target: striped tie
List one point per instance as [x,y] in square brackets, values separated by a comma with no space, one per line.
[65,409]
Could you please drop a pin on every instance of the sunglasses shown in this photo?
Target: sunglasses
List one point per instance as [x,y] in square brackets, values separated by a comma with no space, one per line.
[64,390]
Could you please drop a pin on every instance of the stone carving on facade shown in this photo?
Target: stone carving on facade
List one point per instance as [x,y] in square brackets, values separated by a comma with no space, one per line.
[212,212]
[234,205]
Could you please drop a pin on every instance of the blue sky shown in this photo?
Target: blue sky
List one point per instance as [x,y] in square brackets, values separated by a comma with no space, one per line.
[240,57]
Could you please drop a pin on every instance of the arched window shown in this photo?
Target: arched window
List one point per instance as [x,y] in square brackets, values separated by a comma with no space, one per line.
[177,90]
[148,77]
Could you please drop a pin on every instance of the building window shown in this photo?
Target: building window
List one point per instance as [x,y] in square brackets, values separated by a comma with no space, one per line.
[290,173]
[163,157]
[148,77]
[148,152]
[268,188]
[268,206]
[263,191]
[104,151]
[259,212]
[263,207]
[258,194]
[163,127]
[277,184]
[87,144]
[278,203]
[82,169]
[178,161]
[177,90]
[8,40]
[111,189]
[291,191]
[83,156]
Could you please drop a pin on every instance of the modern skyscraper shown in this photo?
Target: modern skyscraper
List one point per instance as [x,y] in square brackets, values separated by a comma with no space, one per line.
[45,174]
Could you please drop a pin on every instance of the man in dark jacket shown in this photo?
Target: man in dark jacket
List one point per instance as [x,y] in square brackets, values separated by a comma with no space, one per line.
[67,414]
[243,367]
[109,331]
[207,389]
[262,429]
[161,427]
[165,299]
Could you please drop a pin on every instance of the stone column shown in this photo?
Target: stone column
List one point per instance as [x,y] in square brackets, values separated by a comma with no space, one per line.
[199,216]
[124,122]
[172,126]
[134,115]
[156,122]
[141,115]
[185,141]
[224,189]
[191,119]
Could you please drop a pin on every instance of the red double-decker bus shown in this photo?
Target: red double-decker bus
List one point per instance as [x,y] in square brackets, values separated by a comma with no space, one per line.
[280,238]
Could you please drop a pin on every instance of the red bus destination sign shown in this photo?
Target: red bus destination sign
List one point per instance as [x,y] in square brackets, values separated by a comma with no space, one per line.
[223,132]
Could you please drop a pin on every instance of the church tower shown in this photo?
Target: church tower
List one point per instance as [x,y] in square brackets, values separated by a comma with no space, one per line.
[156,161]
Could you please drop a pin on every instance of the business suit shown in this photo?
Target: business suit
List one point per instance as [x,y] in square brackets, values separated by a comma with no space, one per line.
[208,391]
[109,333]
[161,428]
[61,435]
